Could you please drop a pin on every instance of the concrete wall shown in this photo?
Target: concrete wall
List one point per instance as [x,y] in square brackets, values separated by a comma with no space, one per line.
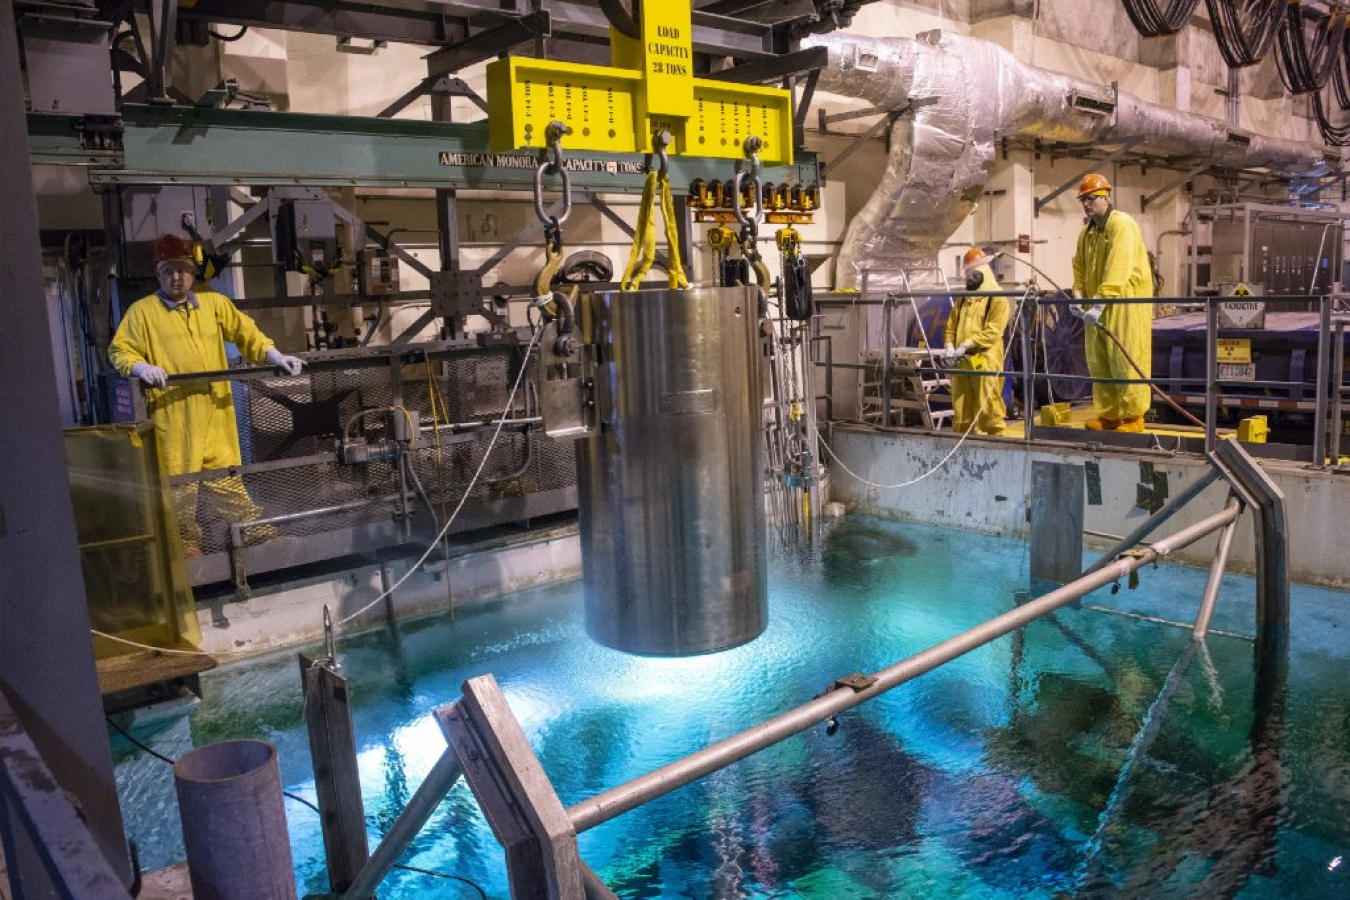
[1098,43]
[983,488]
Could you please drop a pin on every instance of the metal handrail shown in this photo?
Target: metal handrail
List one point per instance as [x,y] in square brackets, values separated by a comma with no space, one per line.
[1326,402]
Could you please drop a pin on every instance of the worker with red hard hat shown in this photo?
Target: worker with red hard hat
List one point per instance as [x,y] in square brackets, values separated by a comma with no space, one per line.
[974,341]
[1111,262]
[176,331]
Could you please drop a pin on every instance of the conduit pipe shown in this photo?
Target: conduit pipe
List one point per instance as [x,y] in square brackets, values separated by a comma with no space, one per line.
[962,95]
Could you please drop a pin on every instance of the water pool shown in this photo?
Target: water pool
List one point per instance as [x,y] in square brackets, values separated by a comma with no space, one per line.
[1091,754]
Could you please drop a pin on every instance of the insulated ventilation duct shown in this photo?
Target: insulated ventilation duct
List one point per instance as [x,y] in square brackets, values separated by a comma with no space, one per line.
[959,96]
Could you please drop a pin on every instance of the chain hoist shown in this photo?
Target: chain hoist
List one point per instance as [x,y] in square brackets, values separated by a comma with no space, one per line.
[721,239]
[798,302]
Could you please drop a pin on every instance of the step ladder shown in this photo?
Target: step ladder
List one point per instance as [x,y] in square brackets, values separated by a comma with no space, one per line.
[917,392]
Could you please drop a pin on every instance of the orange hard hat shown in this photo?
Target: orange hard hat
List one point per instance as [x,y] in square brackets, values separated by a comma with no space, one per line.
[172,248]
[1093,183]
[975,256]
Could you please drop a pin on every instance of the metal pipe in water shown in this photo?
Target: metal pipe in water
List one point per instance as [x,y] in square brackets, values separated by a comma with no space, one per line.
[1216,569]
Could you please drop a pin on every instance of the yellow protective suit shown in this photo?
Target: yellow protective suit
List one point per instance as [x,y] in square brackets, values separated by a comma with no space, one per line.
[194,423]
[1113,262]
[979,321]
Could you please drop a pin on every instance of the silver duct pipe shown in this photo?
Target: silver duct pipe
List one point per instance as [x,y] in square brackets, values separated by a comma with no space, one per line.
[962,94]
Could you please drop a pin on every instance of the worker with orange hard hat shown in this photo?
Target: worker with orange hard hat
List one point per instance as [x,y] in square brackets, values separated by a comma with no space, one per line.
[1111,262]
[974,341]
[177,331]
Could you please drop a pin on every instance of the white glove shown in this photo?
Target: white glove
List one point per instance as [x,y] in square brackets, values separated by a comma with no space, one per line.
[291,365]
[151,375]
[1089,315]
[952,355]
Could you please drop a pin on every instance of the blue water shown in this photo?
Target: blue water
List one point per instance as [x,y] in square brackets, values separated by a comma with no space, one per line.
[1091,755]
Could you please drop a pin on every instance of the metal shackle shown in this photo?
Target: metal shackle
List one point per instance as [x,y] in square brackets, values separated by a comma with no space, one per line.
[552,163]
[660,141]
[751,147]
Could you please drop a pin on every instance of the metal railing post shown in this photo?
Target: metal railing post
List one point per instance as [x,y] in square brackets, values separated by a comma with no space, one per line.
[1216,571]
[1323,376]
[887,312]
[1337,392]
[1211,373]
[422,804]
[1028,372]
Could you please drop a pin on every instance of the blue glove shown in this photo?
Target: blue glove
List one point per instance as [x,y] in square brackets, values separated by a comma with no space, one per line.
[291,365]
[151,375]
[1089,315]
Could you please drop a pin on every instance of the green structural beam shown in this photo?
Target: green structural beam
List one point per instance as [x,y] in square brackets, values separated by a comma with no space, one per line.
[191,145]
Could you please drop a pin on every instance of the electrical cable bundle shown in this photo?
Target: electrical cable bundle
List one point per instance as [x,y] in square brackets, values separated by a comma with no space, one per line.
[1152,21]
[1304,69]
[1245,29]
[1340,73]
[1334,135]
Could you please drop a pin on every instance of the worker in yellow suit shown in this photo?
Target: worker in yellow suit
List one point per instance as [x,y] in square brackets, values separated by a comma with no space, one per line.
[176,331]
[974,339]
[1111,261]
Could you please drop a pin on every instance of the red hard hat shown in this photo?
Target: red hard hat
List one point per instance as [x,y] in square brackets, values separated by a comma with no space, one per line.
[1093,183]
[172,248]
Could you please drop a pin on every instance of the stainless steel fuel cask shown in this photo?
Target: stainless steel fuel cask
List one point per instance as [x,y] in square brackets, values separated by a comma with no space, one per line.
[670,489]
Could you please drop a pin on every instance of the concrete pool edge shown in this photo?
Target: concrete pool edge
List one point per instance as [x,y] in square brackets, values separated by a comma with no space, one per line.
[979,489]
[290,614]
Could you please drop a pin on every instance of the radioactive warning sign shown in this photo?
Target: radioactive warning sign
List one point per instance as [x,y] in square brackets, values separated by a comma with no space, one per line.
[1240,307]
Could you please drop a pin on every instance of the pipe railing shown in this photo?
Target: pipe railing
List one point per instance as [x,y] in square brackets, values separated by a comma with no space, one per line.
[844,695]
[1326,405]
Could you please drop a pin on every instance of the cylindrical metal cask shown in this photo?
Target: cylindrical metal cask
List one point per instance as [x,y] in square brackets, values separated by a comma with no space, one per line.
[671,488]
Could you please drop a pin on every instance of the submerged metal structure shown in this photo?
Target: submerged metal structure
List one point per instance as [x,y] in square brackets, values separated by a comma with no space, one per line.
[670,485]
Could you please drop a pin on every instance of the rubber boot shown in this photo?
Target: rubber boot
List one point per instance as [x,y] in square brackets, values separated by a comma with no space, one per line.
[1135,425]
[1103,424]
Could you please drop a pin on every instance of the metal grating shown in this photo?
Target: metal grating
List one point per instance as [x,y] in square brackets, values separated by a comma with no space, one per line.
[294,418]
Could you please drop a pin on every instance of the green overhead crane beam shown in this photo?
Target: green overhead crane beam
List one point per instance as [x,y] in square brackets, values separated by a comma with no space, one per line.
[156,145]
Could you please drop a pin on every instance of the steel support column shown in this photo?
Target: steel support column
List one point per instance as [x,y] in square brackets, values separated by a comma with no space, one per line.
[46,654]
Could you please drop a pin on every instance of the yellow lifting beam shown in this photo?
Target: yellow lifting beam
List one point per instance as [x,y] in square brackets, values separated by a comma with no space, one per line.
[649,88]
